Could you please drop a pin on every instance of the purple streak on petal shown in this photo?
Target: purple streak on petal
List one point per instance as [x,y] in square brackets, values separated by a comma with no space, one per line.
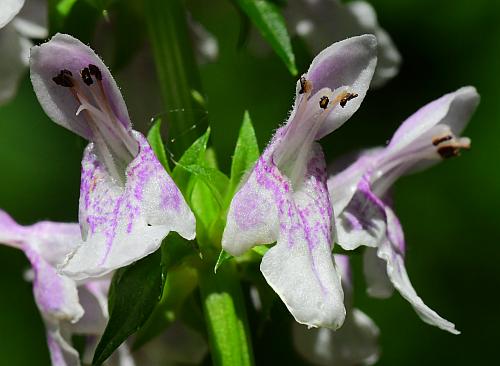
[363,207]
[395,233]
[121,224]
[353,223]
[47,285]
[305,218]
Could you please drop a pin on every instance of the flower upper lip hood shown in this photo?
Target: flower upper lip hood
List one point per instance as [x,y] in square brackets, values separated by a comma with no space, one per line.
[128,202]
[361,200]
[285,198]
[321,22]
[8,10]
[19,22]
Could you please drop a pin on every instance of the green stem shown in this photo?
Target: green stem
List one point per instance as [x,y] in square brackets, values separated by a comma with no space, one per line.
[177,72]
[225,316]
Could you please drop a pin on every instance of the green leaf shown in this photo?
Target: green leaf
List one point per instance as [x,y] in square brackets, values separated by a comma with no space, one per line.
[223,257]
[206,209]
[246,153]
[193,155]
[267,17]
[216,181]
[154,139]
[180,283]
[135,290]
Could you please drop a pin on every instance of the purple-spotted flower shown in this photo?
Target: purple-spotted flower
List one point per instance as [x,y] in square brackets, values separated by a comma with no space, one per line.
[356,343]
[66,307]
[19,21]
[128,203]
[321,22]
[285,199]
[361,200]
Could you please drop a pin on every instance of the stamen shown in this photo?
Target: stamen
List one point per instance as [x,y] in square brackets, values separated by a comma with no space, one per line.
[453,148]
[323,102]
[86,77]
[64,79]
[305,85]
[113,142]
[449,151]
[346,98]
[438,140]
[94,70]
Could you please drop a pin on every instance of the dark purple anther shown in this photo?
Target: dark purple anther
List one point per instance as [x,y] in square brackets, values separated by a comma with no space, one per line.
[94,70]
[86,77]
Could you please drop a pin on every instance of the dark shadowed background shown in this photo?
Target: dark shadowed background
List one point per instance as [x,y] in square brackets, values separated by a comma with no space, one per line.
[450,213]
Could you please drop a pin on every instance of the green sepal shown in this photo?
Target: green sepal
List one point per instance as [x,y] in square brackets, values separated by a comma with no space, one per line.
[254,254]
[223,257]
[245,155]
[156,142]
[193,155]
[215,180]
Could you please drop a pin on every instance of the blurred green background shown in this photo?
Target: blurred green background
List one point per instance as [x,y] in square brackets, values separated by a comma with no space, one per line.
[450,213]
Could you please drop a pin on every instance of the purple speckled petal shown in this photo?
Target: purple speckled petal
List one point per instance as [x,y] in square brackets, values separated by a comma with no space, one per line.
[396,270]
[453,109]
[253,214]
[300,267]
[346,65]
[64,52]
[362,221]
[55,295]
[123,224]
[65,308]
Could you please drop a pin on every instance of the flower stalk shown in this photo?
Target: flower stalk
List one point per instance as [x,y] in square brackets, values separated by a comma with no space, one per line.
[226,317]
[221,294]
